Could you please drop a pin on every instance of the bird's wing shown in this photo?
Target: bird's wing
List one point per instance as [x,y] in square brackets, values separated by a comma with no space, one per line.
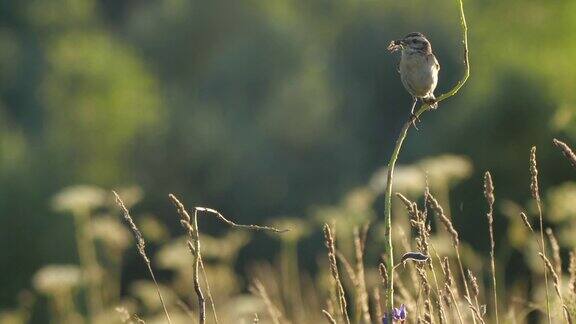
[433,58]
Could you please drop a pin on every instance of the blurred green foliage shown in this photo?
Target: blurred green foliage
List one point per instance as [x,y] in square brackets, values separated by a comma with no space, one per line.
[263,108]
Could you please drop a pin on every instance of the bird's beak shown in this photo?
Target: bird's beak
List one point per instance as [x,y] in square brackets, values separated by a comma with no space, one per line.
[395,45]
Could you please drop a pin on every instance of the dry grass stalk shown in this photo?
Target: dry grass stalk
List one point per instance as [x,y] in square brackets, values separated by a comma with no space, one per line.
[377,303]
[475,287]
[426,246]
[489,194]
[425,285]
[572,272]
[555,278]
[423,240]
[415,257]
[445,296]
[383,273]
[526,221]
[489,188]
[444,293]
[201,300]
[233,224]
[441,314]
[208,290]
[348,267]
[535,191]
[141,245]
[474,283]
[353,278]
[566,150]
[448,283]
[329,317]
[448,278]
[256,319]
[567,315]
[330,244]
[557,286]
[383,277]
[534,188]
[361,291]
[428,318]
[410,206]
[475,310]
[418,221]
[452,300]
[555,251]
[364,235]
[258,289]
[439,211]
[435,205]
[190,224]
[330,306]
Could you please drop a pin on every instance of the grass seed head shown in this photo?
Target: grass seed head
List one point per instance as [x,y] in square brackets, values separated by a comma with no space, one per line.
[567,151]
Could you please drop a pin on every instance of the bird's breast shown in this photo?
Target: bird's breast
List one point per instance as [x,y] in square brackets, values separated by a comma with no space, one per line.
[419,74]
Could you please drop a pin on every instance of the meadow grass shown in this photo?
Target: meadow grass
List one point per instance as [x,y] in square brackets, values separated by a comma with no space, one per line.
[349,286]
[439,278]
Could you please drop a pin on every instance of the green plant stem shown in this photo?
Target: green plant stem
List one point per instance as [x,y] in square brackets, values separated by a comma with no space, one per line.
[395,153]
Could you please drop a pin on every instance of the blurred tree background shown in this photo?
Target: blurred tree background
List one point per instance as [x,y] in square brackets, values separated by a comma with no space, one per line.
[262,108]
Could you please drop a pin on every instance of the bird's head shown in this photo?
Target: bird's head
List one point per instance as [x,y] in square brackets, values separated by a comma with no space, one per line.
[411,42]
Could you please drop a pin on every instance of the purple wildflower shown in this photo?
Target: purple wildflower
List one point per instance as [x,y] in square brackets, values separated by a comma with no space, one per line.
[398,314]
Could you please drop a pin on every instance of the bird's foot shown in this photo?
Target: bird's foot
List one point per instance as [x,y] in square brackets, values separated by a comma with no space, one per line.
[432,102]
[414,118]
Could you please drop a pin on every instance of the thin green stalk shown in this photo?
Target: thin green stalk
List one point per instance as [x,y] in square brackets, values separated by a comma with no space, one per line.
[403,132]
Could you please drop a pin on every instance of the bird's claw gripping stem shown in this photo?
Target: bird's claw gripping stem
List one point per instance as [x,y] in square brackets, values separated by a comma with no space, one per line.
[414,118]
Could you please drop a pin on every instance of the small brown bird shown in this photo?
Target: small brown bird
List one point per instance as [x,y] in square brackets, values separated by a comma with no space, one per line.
[418,68]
